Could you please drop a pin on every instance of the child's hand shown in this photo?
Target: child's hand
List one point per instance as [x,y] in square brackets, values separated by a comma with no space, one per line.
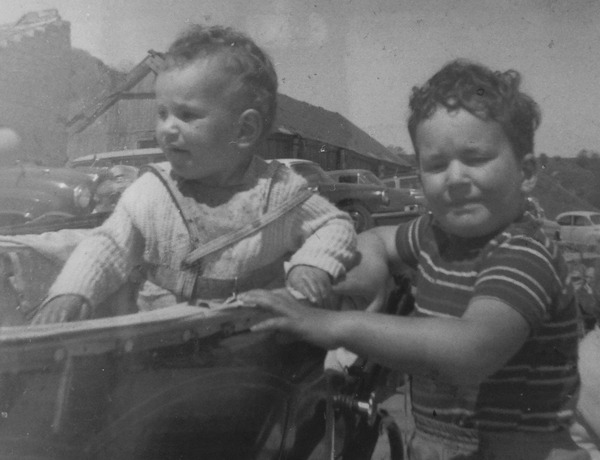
[313,282]
[63,309]
[314,325]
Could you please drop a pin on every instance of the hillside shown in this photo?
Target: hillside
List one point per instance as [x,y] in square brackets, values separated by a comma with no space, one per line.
[555,199]
[567,184]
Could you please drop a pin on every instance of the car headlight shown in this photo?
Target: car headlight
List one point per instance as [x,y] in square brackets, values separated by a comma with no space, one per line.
[385,197]
[82,196]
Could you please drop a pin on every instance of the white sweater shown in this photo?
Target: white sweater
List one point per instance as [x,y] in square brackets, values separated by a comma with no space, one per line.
[146,227]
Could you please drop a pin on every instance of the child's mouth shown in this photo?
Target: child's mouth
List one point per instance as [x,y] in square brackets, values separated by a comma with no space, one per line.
[465,205]
[177,151]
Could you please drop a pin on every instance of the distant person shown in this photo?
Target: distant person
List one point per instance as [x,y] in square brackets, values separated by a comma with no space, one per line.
[492,345]
[215,219]
[11,144]
[586,430]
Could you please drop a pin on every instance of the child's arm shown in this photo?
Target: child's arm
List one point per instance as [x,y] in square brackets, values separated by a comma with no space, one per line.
[312,282]
[98,267]
[324,245]
[455,350]
[371,278]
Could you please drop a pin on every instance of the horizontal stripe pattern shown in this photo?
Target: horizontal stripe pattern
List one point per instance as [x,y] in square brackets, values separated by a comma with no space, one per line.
[523,269]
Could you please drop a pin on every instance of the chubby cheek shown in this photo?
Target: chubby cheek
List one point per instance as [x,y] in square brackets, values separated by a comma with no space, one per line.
[433,188]
[494,186]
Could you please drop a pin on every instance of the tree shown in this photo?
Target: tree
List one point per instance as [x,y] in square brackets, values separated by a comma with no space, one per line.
[582,159]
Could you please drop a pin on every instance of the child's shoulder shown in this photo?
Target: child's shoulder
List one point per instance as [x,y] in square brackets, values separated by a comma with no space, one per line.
[285,179]
[527,231]
[524,244]
[147,185]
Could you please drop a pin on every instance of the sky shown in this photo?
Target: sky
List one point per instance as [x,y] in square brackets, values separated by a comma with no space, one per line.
[361,58]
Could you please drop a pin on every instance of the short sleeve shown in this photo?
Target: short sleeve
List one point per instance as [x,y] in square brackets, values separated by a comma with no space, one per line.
[521,272]
[408,238]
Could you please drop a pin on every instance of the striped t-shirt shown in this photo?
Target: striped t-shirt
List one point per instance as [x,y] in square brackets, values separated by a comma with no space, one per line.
[525,270]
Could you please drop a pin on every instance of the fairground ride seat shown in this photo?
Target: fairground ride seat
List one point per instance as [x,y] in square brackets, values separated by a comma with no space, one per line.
[180,382]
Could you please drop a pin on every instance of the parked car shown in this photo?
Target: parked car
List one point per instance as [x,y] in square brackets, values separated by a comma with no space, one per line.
[136,157]
[35,193]
[355,176]
[580,228]
[367,204]
[409,182]
[115,180]
[549,227]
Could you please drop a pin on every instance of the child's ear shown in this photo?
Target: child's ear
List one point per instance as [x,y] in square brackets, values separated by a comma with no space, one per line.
[529,170]
[250,128]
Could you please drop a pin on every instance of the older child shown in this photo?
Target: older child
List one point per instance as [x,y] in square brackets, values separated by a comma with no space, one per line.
[492,347]
[215,219]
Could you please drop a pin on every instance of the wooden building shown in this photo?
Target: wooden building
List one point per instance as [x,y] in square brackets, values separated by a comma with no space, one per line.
[34,85]
[124,118]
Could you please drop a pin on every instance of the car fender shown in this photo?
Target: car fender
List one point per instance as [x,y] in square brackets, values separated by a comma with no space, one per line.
[30,203]
[343,194]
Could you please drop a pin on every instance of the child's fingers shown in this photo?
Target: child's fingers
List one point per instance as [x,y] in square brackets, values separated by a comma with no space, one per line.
[270,301]
[271,324]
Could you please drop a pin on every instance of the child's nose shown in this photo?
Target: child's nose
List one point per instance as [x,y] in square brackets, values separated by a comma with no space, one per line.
[167,128]
[456,172]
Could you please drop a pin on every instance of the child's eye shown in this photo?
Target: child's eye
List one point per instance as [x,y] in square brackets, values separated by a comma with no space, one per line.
[434,166]
[161,113]
[476,160]
[188,116]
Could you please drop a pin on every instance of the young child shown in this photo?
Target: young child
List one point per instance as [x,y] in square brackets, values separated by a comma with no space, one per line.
[492,345]
[215,219]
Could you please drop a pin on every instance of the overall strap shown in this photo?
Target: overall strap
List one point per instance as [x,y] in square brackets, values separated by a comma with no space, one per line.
[230,238]
[188,285]
[186,281]
[254,226]
[163,172]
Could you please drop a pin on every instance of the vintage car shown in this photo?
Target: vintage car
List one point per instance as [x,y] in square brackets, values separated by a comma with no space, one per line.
[136,157]
[580,228]
[35,193]
[367,204]
[409,182]
[186,381]
[401,200]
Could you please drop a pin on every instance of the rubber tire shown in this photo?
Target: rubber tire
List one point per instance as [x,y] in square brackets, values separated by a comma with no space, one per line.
[360,215]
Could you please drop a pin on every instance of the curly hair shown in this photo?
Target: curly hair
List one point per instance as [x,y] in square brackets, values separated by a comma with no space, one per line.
[244,60]
[486,94]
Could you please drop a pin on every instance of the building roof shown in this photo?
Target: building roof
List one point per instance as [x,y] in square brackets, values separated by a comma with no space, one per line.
[28,25]
[312,122]
[293,117]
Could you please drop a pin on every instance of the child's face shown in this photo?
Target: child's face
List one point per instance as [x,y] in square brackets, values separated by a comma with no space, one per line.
[472,180]
[197,124]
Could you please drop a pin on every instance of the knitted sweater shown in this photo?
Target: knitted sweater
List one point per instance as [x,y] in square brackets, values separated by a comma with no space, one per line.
[146,227]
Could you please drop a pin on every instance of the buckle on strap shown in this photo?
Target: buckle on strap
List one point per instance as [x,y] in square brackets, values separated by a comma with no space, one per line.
[189,285]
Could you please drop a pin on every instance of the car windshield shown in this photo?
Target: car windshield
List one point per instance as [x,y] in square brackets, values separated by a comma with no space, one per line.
[595,218]
[313,173]
[409,182]
[369,177]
